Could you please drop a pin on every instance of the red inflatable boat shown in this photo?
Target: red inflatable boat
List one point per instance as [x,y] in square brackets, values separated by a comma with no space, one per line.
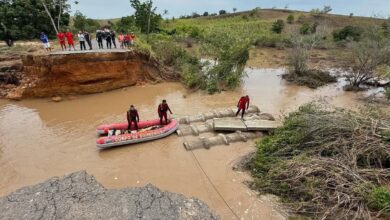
[148,130]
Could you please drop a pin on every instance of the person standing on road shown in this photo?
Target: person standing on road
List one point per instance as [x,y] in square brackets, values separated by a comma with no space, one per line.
[127,40]
[162,110]
[88,39]
[69,38]
[108,38]
[242,105]
[132,116]
[121,39]
[61,40]
[113,36]
[81,40]
[99,38]
[45,41]
[132,39]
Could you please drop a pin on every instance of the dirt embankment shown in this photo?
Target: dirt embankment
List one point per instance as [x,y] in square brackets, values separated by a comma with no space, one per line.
[83,73]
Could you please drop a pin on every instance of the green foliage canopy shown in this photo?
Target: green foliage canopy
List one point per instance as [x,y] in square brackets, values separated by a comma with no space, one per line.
[146,18]
[26,19]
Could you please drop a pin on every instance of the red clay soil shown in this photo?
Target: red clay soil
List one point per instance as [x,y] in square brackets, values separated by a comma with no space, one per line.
[84,73]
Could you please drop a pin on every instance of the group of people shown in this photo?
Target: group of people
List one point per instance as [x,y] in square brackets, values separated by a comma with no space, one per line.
[108,36]
[163,109]
[126,40]
[67,37]
[66,40]
[133,116]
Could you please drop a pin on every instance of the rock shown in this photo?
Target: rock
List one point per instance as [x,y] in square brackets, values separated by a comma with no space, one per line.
[15,94]
[266,116]
[80,196]
[56,99]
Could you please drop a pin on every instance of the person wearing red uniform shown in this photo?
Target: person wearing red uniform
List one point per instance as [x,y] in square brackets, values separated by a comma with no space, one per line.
[61,40]
[242,105]
[132,116]
[162,111]
[69,38]
[127,40]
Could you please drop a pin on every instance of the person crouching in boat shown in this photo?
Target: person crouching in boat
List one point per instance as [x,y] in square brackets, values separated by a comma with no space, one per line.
[132,116]
[162,111]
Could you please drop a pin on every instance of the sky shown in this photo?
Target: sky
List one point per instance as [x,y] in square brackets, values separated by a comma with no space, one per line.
[118,8]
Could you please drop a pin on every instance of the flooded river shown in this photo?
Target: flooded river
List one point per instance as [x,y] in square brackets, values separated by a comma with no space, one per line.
[40,139]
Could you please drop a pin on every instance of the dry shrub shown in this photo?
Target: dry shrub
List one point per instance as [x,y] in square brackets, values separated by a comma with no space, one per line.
[328,163]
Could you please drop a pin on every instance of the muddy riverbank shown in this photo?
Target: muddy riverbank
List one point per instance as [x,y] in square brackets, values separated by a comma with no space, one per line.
[41,139]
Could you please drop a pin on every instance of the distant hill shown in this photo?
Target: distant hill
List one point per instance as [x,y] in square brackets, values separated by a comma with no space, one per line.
[333,21]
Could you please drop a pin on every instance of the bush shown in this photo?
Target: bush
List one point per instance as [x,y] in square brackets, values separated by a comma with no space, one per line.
[290,19]
[348,32]
[387,92]
[277,26]
[195,15]
[205,14]
[306,28]
[222,12]
[367,56]
[379,199]
[311,78]
[313,162]
[274,40]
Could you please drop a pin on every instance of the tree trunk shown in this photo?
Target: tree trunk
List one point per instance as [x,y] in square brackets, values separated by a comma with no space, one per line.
[48,13]
[59,16]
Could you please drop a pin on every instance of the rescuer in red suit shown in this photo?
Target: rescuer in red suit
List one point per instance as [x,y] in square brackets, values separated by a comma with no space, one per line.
[242,105]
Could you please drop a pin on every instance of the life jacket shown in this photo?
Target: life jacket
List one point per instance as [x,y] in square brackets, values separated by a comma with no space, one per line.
[163,108]
[132,113]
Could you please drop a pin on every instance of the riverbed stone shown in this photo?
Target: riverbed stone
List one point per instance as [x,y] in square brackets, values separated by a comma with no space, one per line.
[80,196]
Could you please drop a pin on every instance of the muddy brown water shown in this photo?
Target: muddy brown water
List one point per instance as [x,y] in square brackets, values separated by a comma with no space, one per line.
[40,139]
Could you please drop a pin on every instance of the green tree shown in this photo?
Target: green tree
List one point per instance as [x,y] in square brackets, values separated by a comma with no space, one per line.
[126,24]
[290,19]
[234,10]
[80,21]
[326,9]
[146,18]
[25,19]
[205,14]
[277,26]
[222,12]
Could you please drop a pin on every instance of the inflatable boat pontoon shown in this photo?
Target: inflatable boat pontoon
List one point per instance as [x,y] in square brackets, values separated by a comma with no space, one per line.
[148,131]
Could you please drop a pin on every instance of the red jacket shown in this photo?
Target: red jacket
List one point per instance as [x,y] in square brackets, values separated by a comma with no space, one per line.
[163,108]
[61,37]
[243,103]
[69,37]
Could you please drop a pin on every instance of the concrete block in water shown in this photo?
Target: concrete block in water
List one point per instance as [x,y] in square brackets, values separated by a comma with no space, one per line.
[229,124]
[261,125]
[229,112]
[220,139]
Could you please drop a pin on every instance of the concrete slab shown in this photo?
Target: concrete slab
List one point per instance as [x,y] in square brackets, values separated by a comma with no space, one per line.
[261,125]
[229,124]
